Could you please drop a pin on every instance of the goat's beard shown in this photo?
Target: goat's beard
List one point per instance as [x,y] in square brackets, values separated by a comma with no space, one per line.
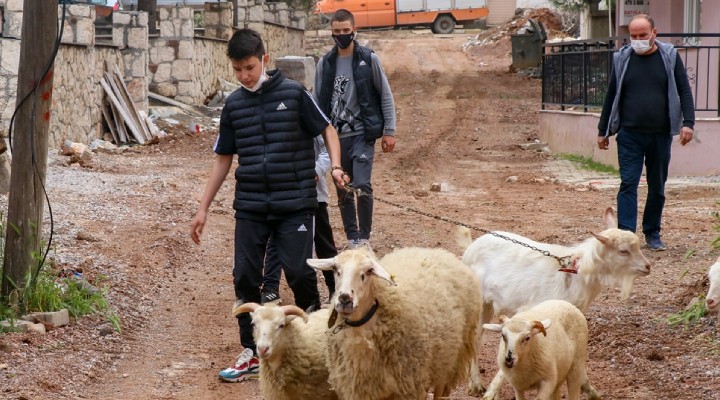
[626,287]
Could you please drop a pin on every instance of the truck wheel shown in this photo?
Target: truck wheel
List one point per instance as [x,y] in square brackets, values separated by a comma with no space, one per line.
[443,24]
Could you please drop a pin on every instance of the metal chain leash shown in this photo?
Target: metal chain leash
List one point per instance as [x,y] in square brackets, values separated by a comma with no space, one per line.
[565,262]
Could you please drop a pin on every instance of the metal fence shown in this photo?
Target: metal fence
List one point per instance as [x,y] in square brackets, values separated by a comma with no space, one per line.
[575,74]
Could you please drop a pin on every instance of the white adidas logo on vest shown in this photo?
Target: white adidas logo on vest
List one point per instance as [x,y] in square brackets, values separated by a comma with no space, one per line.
[362,62]
[302,228]
[281,107]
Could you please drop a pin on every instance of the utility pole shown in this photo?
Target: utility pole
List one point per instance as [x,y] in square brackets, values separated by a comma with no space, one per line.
[30,142]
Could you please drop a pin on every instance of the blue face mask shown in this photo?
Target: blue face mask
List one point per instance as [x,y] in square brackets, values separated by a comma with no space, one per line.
[344,41]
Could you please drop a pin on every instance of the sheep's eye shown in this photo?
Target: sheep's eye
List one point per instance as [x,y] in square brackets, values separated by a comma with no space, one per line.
[362,277]
[526,339]
[281,326]
[625,252]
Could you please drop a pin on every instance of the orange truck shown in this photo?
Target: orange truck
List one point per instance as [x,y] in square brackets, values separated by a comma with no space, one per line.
[440,15]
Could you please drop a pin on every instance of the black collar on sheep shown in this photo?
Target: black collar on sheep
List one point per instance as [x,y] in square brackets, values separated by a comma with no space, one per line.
[362,321]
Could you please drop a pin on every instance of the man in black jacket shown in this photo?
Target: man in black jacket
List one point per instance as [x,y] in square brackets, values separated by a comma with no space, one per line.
[352,89]
[270,124]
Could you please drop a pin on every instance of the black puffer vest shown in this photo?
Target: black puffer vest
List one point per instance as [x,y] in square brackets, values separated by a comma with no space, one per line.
[276,172]
[368,98]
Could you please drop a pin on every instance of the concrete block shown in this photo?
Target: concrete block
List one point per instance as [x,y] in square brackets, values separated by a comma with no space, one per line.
[301,69]
[14,5]
[55,319]
[121,18]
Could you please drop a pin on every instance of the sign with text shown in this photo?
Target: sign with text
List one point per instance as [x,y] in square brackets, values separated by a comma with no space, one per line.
[631,8]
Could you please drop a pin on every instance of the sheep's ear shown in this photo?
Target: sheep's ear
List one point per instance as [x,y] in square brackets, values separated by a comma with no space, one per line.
[245,307]
[493,327]
[323,264]
[381,273]
[539,327]
[294,311]
[609,218]
[603,239]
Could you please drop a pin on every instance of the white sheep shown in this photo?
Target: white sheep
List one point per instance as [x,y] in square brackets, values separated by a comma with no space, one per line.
[291,347]
[514,276]
[712,300]
[544,347]
[406,323]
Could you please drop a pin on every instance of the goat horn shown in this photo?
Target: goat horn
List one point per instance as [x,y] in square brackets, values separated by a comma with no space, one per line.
[245,307]
[294,310]
[503,319]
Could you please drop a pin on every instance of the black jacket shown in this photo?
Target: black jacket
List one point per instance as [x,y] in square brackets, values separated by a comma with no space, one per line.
[368,98]
[276,171]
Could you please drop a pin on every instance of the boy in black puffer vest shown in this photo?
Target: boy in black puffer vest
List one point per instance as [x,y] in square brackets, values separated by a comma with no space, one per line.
[270,124]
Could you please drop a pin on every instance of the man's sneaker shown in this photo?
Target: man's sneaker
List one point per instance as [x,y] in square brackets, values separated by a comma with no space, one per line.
[358,243]
[654,243]
[246,367]
[270,297]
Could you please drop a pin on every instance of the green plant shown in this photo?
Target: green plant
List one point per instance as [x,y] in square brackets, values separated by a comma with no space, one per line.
[589,164]
[716,243]
[691,314]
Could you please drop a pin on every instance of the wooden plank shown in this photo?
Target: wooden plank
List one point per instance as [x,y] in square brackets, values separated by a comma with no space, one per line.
[131,104]
[111,124]
[123,112]
[174,103]
[119,123]
[132,121]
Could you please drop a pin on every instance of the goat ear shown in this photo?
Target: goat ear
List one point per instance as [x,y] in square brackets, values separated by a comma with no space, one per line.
[603,239]
[381,273]
[322,264]
[245,307]
[294,311]
[493,327]
[609,218]
[539,327]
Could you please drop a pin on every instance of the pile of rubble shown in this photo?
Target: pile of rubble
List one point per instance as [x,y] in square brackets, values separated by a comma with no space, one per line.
[556,24]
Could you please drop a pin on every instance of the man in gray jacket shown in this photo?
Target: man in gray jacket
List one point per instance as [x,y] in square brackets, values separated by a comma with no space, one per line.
[352,89]
[648,101]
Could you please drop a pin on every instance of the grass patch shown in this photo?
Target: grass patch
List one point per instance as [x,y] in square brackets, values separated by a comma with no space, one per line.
[589,164]
[690,315]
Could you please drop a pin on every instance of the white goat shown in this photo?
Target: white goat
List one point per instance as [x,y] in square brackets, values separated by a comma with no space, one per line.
[544,362]
[712,300]
[514,276]
[408,323]
[292,350]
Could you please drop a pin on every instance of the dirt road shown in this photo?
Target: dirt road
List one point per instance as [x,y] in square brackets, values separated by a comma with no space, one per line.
[461,117]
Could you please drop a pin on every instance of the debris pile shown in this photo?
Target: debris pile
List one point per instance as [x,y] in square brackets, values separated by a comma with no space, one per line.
[556,26]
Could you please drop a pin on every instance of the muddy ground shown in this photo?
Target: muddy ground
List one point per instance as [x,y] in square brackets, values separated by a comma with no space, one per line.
[461,119]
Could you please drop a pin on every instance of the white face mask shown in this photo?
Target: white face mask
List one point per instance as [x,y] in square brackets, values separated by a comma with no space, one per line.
[641,46]
[263,78]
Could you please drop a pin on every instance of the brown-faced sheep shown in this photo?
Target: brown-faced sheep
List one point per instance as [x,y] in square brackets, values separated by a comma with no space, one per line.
[544,347]
[405,324]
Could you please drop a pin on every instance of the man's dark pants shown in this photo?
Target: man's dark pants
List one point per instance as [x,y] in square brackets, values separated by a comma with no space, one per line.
[293,236]
[324,247]
[633,149]
[356,155]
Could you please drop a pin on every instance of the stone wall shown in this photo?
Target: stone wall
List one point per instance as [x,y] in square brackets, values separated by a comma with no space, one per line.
[175,63]
[211,64]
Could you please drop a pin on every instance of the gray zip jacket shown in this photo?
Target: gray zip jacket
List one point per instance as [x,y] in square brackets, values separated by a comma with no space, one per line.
[620,63]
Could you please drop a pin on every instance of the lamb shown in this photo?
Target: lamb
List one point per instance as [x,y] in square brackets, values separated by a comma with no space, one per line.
[544,362]
[712,300]
[291,346]
[513,276]
[408,323]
